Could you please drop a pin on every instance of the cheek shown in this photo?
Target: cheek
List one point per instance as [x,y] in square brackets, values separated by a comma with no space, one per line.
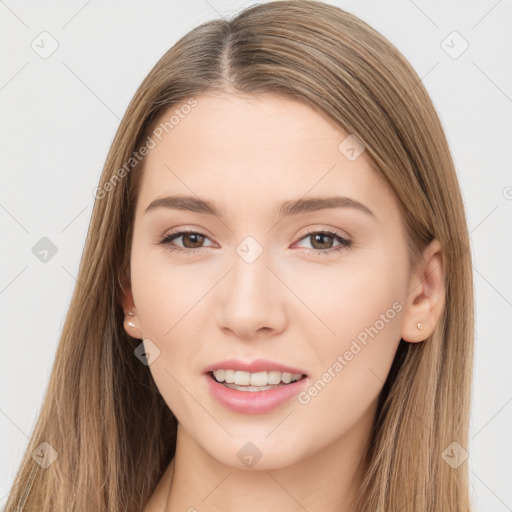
[355,295]
[362,308]
[168,301]
[163,293]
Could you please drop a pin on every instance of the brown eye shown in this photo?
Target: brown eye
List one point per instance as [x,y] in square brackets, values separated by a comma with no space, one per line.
[322,242]
[191,241]
[194,239]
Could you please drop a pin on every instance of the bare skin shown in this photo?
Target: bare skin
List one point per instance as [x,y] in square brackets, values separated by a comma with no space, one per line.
[291,304]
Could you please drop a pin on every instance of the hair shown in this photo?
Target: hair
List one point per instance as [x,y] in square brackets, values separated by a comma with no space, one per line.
[102,413]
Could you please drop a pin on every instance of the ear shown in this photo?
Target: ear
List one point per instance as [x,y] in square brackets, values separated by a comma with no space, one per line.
[131,321]
[426,295]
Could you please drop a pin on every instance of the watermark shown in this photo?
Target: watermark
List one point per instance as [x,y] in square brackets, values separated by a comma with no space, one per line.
[44,45]
[249,249]
[454,455]
[45,455]
[249,454]
[150,143]
[147,352]
[344,359]
[44,250]
[454,45]
[351,147]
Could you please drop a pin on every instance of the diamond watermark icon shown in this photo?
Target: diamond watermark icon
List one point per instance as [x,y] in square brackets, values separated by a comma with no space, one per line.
[249,249]
[454,45]
[44,455]
[44,250]
[147,352]
[44,45]
[454,455]
[249,454]
[351,147]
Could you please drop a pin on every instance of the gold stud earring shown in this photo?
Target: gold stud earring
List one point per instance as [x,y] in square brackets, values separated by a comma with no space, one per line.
[419,325]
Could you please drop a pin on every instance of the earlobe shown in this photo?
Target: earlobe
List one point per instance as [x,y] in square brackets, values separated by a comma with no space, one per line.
[131,320]
[426,296]
[131,326]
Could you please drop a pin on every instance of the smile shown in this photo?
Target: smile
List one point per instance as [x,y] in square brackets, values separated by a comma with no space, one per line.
[259,381]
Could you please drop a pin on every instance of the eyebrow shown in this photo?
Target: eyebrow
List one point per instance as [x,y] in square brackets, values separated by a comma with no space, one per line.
[287,209]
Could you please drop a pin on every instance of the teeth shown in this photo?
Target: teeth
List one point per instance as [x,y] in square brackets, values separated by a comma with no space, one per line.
[255,379]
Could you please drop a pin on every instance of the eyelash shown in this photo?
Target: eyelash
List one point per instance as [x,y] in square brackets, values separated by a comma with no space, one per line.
[345,243]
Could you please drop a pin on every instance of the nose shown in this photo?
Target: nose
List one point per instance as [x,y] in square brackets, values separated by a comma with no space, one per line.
[251,299]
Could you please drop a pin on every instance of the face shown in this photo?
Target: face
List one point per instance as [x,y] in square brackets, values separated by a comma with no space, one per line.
[320,290]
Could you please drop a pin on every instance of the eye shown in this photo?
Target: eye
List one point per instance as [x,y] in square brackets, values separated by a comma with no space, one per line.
[191,239]
[326,247]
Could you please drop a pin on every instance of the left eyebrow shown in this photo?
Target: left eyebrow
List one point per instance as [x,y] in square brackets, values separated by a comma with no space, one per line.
[314,204]
[287,209]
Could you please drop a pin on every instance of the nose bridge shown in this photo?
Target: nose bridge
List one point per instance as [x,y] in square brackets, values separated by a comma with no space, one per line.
[250,277]
[250,299]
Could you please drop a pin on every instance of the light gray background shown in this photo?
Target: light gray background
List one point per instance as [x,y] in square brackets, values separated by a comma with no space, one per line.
[58,119]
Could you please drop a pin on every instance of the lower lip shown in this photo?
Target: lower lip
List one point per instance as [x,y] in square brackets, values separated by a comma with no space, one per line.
[253,402]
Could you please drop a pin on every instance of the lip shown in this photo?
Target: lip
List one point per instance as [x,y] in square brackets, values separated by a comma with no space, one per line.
[253,402]
[258,365]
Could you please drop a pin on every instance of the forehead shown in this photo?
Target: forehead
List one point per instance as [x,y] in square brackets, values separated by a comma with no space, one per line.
[247,150]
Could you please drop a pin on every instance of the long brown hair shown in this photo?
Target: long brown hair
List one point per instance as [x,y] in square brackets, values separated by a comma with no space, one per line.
[112,433]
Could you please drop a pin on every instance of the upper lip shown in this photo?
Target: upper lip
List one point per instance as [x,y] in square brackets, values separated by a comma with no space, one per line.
[258,365]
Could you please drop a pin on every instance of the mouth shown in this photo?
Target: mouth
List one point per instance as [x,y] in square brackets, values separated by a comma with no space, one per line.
[255,387]
[254,382]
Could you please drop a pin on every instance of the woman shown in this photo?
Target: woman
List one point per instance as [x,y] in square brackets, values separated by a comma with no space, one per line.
[210,360]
